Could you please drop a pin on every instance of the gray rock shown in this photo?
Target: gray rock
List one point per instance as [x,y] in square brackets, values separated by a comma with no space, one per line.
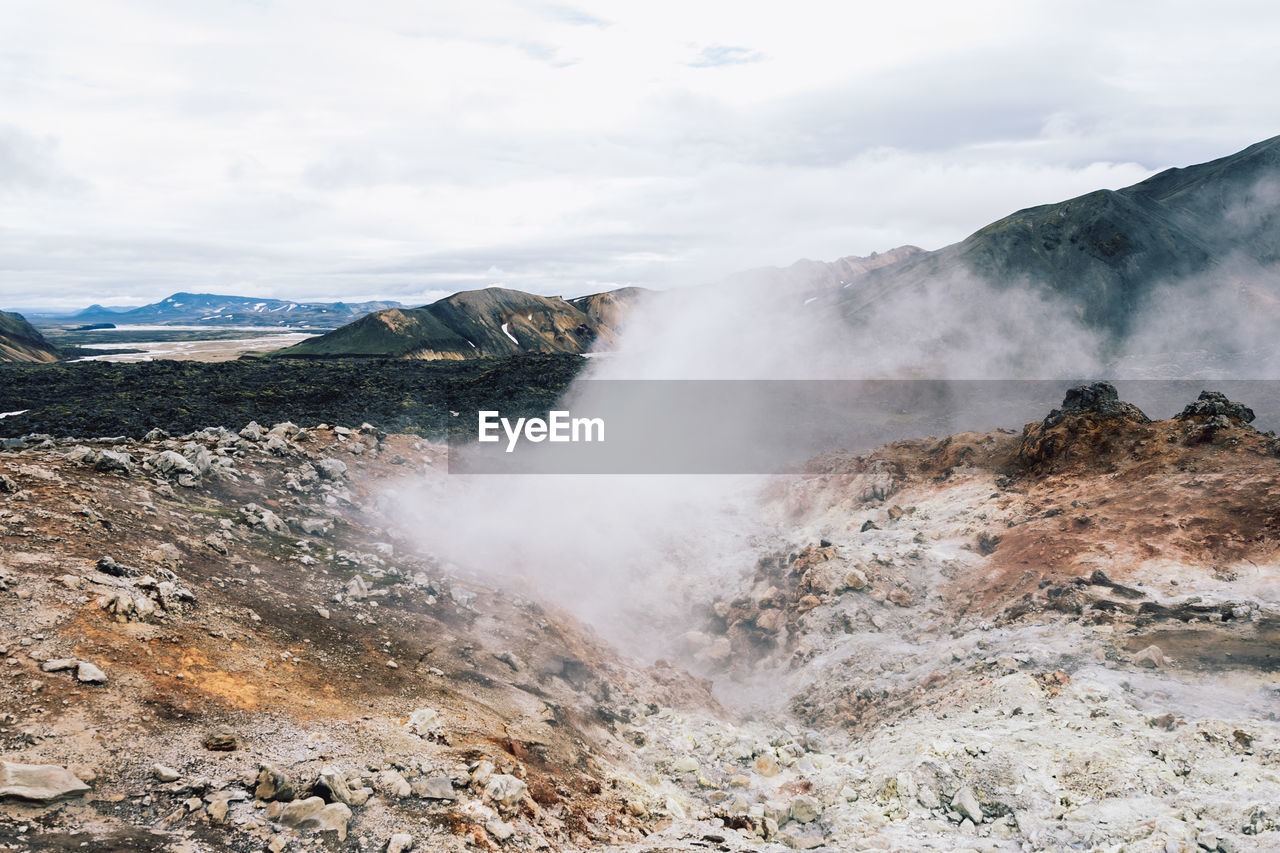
[272,784]
[313,814]
[1212,404]
[108,566]
[927,798]
[966,804]
[251,432]
[505,789]
[219,803]
[171,464]
[500,829]
[165,773]
[264,519]
[393,784]
[805,809]
[110,460]
[331,469]
[1151,657]
[38,782]
[435,788]
[277,446]
[401,842]
[315,526]
[423,721]
[357,588]
[221,741]
[802,839]
[333,786]
[1100,398]
[59,665]
[90,674]
[199,457]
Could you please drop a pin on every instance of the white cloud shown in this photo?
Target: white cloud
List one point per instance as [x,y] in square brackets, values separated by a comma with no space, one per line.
[319,149]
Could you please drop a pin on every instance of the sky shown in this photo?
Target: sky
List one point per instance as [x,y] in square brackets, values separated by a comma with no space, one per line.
[308,149]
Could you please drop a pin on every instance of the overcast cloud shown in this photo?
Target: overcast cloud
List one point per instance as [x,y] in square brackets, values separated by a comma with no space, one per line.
[326,150]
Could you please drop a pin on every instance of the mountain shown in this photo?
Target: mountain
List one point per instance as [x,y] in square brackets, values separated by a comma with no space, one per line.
[479,323]
[207,309]
[19,341]
[816,276]
[1106,253]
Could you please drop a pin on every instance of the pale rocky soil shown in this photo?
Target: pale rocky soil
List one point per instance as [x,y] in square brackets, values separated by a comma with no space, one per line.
[1060,639]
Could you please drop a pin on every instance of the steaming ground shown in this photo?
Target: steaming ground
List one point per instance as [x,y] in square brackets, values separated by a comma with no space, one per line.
[1060,638]
[984,642]
[635,557]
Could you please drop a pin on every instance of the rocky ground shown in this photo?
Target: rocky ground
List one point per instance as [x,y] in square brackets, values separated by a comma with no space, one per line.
[1056,639]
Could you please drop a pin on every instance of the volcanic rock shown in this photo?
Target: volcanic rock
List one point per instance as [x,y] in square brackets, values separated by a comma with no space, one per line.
[38,782]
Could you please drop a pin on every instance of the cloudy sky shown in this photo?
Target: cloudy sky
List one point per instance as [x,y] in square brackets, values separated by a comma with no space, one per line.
[335,150]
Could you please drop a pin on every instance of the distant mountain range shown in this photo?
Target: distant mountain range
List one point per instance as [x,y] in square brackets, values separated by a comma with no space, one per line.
[19,341]
[1103,257]
[477,324]
[207,309]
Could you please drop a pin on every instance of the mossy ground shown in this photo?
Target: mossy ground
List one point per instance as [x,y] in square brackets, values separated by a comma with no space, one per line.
[89,399]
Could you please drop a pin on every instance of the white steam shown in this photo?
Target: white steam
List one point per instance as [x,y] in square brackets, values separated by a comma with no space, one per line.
[637,557]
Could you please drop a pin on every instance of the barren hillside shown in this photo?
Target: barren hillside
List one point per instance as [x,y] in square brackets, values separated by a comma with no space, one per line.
[1059,638]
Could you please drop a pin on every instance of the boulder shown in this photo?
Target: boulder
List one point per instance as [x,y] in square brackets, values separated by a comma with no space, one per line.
[435,788]
[165,773]
[331,469]
[90,674]
[264,519]
[39,783]
[110,460]
[505,790]
[333,786]
[272,784]
[59,665]
[393,784]
[1100,399]
[1151,657]
[357,588]
[1212,404]
[221,741]
[966,804]
[313,814]
[314,526]
[199,457]
[423,721]
[805,809]
[170,464]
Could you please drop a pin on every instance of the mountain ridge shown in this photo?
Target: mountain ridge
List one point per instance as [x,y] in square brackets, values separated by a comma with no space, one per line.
[1106,253]
[484,323]
[19,341]
[214,310]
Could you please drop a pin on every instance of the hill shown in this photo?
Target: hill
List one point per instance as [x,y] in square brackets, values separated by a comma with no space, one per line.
[19,341]
[1106,254]
[478,324]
